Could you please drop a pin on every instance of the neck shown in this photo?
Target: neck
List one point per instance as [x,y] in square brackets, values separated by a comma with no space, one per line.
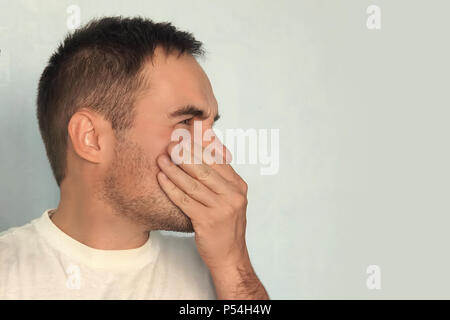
[94,223]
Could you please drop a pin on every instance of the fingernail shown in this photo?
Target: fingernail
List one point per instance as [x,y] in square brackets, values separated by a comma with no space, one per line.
[162,175]
[164,160]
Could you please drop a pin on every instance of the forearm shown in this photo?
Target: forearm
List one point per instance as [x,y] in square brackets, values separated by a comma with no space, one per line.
[238,283]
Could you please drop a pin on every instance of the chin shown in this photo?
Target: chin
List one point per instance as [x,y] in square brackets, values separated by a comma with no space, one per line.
[177,221]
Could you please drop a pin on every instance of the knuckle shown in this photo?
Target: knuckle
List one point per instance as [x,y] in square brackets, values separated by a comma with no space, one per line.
[239,200]
[193,188]
[229,210]
[204,173]
[244,186]
[185,199]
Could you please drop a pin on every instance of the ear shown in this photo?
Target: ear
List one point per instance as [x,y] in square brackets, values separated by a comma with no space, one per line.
[85,129]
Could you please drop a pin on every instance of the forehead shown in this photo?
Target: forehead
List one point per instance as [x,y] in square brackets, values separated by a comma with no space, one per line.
[175,81]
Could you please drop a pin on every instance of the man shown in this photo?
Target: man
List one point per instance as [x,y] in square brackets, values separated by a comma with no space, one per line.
[108,102]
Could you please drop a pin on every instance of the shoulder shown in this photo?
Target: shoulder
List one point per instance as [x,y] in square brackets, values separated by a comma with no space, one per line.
[15,236]
[17,242]
[18,252]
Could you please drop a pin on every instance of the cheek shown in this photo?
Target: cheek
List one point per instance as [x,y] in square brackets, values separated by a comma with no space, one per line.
[155,143]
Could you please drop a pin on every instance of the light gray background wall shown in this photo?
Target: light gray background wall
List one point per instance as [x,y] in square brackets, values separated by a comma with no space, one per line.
[363,118]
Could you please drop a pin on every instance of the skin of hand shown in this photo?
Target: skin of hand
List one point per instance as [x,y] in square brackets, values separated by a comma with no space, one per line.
[214,197]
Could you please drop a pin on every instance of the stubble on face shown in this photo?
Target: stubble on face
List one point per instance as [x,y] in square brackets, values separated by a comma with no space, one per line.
[131,188]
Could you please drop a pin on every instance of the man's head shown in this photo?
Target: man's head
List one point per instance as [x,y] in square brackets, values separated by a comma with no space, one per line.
[108,102]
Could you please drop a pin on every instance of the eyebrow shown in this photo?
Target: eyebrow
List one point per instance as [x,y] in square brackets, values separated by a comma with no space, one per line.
[192,110]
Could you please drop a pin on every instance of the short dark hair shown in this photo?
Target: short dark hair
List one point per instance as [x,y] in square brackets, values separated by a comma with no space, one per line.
[99,66]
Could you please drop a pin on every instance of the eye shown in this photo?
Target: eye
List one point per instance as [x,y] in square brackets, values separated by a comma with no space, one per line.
[186,121]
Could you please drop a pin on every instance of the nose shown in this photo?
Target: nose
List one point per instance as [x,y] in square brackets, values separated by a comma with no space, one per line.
[211,140]
[206,137]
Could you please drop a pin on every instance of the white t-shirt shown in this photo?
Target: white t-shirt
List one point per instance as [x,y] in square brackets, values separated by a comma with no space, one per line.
[39,261]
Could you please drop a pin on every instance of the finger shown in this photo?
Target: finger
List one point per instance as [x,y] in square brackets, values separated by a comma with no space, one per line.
[217,155]
[203,173]
[186,183]
[224,168]
[197,156]
[188,205]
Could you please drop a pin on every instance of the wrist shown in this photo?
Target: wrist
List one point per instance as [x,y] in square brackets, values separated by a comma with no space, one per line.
[231,266]
[237,281]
